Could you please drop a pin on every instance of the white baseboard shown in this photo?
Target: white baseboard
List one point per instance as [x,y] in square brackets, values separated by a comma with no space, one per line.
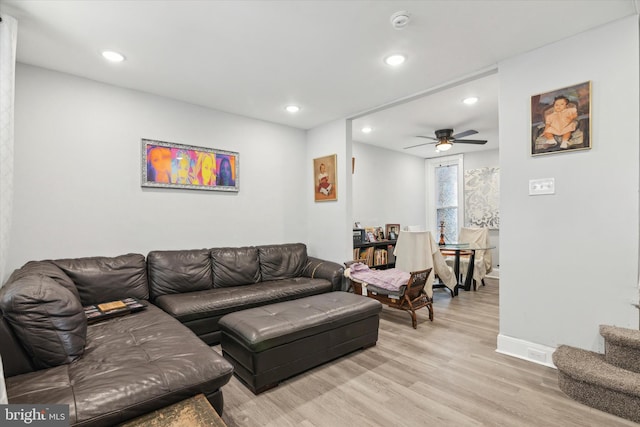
[494,274]
[532,352]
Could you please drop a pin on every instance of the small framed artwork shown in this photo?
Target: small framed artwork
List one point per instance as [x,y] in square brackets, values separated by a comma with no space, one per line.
[171,165]
[392,231]
[325,185]
[561,120]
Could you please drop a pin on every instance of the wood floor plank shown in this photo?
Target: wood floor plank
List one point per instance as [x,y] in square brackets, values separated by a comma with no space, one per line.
[444,373]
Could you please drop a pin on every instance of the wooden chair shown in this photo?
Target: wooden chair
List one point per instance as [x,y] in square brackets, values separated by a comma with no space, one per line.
[409,298]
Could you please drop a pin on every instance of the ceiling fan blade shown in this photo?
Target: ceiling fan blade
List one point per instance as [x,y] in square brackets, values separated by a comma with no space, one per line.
[426,137]
[419,145]
[469,141]
[465,133]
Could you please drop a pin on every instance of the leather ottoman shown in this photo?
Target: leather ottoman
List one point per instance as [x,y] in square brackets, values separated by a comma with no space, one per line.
[271,343]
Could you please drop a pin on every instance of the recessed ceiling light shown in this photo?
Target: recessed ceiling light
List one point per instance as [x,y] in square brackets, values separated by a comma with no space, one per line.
[367,129]
[470,101]
[292,108]
[395,60]
[112,56]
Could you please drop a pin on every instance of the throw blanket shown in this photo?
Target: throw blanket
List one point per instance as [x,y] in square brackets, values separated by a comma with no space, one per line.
[391,279]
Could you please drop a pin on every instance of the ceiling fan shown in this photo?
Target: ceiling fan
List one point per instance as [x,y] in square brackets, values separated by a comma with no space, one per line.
[444,139]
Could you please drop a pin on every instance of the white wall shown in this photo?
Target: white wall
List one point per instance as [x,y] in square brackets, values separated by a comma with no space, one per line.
[77,174]
[570,260]
[388,187]
[486,159]
[329,222]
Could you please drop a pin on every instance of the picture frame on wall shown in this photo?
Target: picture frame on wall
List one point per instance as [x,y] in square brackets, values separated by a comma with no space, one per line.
[561,120]
[172,165]
[324,181]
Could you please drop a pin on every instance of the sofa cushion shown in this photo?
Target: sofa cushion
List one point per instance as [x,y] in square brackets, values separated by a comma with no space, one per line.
[172,272]
[47,318]
[102,279]
[46,268]
[235,266]
[282,261]
[219,301]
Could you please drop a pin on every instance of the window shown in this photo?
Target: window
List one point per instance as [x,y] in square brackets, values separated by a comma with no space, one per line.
[444,193]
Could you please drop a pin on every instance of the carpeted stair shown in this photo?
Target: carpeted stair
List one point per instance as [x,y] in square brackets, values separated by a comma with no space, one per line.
[609,382]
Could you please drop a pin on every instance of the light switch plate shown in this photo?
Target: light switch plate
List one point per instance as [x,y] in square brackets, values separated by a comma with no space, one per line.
[538,187]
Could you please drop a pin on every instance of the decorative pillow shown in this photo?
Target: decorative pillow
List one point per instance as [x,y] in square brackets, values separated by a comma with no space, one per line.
[47,318]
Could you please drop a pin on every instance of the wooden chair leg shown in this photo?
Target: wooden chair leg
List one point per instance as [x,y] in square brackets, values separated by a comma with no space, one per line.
[430,308]
[412,312]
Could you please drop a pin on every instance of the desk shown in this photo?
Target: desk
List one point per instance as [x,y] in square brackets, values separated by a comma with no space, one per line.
[457,249]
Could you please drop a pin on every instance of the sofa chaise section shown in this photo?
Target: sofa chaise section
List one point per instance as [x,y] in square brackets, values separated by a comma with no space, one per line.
[107,372]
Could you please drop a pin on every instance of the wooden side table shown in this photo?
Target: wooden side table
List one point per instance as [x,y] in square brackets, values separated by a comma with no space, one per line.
[196,411]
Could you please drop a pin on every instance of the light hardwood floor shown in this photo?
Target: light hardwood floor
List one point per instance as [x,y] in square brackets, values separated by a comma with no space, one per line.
[445,373]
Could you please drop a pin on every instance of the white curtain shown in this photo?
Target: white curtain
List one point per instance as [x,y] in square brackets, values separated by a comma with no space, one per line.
[8,37]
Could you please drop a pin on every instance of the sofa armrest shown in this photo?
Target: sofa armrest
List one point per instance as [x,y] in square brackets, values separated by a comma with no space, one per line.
[320,269]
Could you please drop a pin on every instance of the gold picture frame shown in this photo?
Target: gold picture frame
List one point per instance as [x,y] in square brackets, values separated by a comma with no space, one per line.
[325,185]
[561,120]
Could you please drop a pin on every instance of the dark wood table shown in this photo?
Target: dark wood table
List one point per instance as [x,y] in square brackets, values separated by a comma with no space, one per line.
[458,249]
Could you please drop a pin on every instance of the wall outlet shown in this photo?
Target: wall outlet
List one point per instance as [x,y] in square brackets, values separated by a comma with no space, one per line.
[537,355]
[538,187]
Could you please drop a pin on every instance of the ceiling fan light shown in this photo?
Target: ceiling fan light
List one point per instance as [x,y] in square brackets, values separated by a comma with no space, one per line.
[443,146]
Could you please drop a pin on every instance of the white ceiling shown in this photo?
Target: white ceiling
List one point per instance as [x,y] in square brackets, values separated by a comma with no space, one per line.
[254,57]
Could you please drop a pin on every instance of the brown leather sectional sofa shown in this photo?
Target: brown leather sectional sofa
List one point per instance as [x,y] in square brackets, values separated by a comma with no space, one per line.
[119,368]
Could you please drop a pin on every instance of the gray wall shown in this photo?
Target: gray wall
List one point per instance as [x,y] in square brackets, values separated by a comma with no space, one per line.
[328,222]
[388,187]
[77,174]
[570,260]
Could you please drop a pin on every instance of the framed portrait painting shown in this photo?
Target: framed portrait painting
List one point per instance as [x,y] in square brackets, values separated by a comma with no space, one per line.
[561,120]
[392,231]
[325,186]
[171,165]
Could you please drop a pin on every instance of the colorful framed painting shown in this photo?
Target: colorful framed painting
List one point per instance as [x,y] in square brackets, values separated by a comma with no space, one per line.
[171,165]
[561,120]
[324,181]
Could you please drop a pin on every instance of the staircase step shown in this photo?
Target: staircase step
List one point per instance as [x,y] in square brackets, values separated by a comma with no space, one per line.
[587,377]
[622,347]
